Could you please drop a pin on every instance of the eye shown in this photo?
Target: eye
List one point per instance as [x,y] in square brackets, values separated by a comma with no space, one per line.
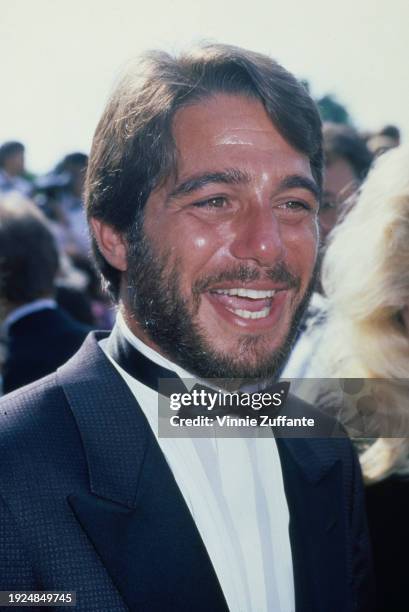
[295,205]
[217,202]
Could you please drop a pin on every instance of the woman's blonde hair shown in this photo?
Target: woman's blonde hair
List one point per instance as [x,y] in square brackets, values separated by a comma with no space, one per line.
[366,279]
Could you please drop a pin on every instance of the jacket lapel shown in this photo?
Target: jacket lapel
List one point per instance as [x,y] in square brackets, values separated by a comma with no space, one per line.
[317,525]
[134,513]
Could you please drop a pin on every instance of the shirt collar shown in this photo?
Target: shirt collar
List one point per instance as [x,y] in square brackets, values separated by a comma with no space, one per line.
[188,378]
[149,352]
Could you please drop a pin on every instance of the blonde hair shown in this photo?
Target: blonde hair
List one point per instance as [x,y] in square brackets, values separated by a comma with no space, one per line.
[365,276]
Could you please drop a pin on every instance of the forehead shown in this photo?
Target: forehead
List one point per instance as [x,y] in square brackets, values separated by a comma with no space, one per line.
[225,129]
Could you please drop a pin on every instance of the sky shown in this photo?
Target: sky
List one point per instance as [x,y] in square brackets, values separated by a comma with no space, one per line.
[60,59]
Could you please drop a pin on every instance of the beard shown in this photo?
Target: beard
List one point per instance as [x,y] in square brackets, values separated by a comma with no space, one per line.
[155,301]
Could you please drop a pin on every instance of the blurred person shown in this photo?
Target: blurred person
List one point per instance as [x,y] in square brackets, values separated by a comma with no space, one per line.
[202,194]
[385,139]
[39,336]
[48,189]
[79,292]
[12,169]
[366,279]
[392,132]
[347,161]
[76,303]
[60,195]
[74,289]
[74,285]
[71,204]
[75,165]
[102,309]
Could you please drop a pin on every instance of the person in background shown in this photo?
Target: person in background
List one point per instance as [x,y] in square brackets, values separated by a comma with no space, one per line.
[392,132]
[347,161]
[38,336]
[387,138]
[75,235]
[12,169]
[59,194]
[366,280]
[101,310]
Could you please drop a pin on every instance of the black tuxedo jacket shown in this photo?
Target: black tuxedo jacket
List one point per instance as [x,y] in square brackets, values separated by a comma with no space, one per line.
[38,344]
[89,504]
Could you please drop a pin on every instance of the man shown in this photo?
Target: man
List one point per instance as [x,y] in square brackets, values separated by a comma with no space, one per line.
[38,335]
[202,194]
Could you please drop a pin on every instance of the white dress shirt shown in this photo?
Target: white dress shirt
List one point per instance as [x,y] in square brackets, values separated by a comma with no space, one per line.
[234,490]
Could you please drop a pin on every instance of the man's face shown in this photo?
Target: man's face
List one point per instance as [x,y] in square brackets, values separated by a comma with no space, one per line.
[14,165]
[231,242]
[340,182]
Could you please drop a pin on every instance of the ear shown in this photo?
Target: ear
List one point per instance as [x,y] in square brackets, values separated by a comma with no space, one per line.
[111,244]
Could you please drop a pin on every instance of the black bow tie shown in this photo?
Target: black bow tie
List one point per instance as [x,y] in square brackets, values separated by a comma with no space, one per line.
[140,367]
[167,382]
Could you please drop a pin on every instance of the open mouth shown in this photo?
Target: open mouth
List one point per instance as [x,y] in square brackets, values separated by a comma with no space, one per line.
[248,306]
[246,303]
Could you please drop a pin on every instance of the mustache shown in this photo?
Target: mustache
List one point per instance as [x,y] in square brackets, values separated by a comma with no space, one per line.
[244,273]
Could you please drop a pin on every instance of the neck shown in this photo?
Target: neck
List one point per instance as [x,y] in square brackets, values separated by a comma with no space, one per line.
[148,348]
[128,324]
[137,330]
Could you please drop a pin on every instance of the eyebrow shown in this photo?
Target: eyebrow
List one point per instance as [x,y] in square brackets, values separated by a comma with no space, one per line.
[298,181]
[231,176]
[234,176]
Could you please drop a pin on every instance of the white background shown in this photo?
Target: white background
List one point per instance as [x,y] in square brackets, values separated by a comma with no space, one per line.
[59,58]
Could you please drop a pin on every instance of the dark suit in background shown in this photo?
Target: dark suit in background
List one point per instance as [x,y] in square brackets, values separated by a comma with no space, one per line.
[39,343]
[88,503]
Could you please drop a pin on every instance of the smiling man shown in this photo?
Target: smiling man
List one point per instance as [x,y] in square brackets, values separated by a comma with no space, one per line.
[227,246]
[203,192]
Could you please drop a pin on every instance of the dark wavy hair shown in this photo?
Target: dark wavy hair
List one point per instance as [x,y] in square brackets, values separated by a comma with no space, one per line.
[8,149]
[133,149]
[29,257]
[343,141]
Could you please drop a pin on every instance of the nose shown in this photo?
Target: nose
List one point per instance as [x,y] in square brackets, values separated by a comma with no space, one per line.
[257,237]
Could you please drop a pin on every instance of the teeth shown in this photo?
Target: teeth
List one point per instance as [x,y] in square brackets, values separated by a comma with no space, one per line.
[248,314]
[249,293]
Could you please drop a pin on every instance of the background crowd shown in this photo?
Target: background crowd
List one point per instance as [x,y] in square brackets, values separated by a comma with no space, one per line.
[50,296]
[357,324]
